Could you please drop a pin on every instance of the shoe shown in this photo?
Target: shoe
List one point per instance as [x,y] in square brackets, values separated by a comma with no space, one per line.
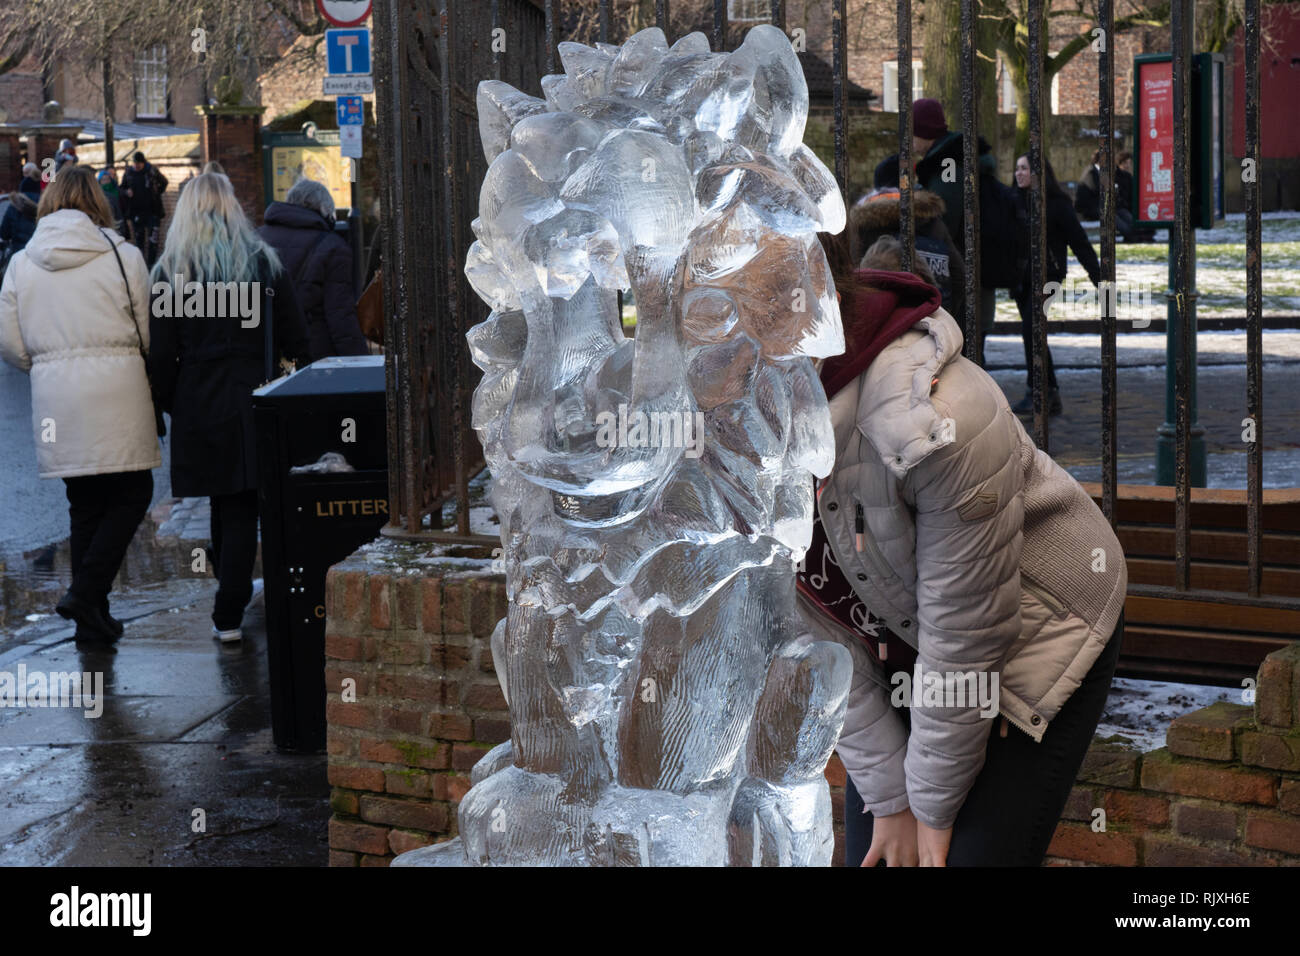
[92,623]
[227,637]
[118,626]
[259,591]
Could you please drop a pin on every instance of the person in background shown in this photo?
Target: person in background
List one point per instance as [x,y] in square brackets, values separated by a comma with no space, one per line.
[73,313]
[1125,224]
[301,229]
[67,155]
[1087,194]
[19,222]
[143,187]
[943,537]
[31,182]
[204,369]
[938,153]
[877,214]
[107,178]
[1063,229]
[1124,182]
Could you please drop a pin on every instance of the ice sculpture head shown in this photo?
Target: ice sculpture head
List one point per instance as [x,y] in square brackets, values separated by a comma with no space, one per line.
[681,175]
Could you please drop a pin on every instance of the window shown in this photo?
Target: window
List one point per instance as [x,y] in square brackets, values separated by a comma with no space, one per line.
[748,11]
[1006,88]
[151,83]
[1056,91]
[890,86]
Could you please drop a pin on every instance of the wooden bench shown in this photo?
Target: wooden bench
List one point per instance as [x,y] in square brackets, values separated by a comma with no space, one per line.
[1216,633]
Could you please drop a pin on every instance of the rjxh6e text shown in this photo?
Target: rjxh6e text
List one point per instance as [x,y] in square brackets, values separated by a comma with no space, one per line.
[1208,898]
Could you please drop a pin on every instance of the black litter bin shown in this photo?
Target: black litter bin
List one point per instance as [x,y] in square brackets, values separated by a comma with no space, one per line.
[313,518]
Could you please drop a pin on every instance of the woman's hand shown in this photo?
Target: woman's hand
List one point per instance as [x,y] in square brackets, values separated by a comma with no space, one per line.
[893,839]
[932,845]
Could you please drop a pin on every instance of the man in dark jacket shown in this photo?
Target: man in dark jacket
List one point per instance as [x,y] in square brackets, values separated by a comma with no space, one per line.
[301,230]
[939,154]
[142,205]
[31,182]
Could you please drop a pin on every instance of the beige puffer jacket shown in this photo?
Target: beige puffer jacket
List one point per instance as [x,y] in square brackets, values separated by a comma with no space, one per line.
[979,551]
[65,317]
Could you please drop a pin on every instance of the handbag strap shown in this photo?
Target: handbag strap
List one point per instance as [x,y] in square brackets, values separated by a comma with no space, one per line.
[269,333]
[129,301]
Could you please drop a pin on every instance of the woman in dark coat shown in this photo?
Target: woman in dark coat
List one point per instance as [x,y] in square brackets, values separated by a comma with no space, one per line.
[19,221]
[301,229]
[204,369]
[1063,229]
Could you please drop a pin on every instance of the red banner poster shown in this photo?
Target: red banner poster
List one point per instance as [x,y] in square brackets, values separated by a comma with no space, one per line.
[1155,178]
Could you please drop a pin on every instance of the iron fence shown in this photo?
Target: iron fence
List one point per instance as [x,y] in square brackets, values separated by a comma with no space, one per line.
[430,56]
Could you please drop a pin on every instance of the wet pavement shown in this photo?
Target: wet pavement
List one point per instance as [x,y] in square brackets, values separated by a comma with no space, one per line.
[178,768]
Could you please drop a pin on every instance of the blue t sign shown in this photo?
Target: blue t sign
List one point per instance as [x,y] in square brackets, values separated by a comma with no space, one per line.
[347,52]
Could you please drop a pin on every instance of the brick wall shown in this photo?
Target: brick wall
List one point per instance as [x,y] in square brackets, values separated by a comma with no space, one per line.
[20,95]
[1225,791]
[427,704]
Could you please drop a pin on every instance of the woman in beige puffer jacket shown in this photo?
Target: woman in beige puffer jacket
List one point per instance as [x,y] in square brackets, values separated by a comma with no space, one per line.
[75,316]
[945,536]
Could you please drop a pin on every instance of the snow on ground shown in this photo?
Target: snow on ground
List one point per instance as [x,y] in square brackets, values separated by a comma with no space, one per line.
[1220,273]
[1141,710]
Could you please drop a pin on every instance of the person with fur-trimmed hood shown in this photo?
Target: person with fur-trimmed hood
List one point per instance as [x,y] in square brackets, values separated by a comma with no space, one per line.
[877,214]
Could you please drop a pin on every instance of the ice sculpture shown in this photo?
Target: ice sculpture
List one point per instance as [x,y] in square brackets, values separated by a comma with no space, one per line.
[655,491]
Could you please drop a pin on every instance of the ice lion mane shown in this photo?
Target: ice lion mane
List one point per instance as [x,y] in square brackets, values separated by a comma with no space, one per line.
[655,491]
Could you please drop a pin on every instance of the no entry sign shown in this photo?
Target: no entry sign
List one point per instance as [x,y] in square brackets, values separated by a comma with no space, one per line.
[344,13]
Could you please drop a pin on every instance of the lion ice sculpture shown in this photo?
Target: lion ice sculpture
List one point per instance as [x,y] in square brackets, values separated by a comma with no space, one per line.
[663,709]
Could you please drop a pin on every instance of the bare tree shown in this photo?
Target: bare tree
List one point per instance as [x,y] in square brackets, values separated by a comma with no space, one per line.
[216,38]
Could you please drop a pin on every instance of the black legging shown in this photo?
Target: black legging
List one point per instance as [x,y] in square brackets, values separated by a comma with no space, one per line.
[234,551]
[1013,807]
[1025,305]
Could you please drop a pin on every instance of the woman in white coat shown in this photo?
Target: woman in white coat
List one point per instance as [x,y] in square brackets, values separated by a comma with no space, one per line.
[74,313]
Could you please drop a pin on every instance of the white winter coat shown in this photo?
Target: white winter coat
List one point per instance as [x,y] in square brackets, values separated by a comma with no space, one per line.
[64,316]
[979,551]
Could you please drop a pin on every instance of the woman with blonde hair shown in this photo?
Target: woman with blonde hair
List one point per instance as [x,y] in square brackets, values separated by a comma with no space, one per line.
[208,356]
[73,314]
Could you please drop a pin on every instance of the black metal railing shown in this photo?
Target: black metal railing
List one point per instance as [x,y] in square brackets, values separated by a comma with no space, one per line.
[431,55]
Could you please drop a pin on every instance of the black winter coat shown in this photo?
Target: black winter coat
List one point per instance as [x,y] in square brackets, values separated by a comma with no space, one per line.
[1087,194]
[19,221]
[203,371]
[1124,185]
[1063,229]
[145,201]
[320,262]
